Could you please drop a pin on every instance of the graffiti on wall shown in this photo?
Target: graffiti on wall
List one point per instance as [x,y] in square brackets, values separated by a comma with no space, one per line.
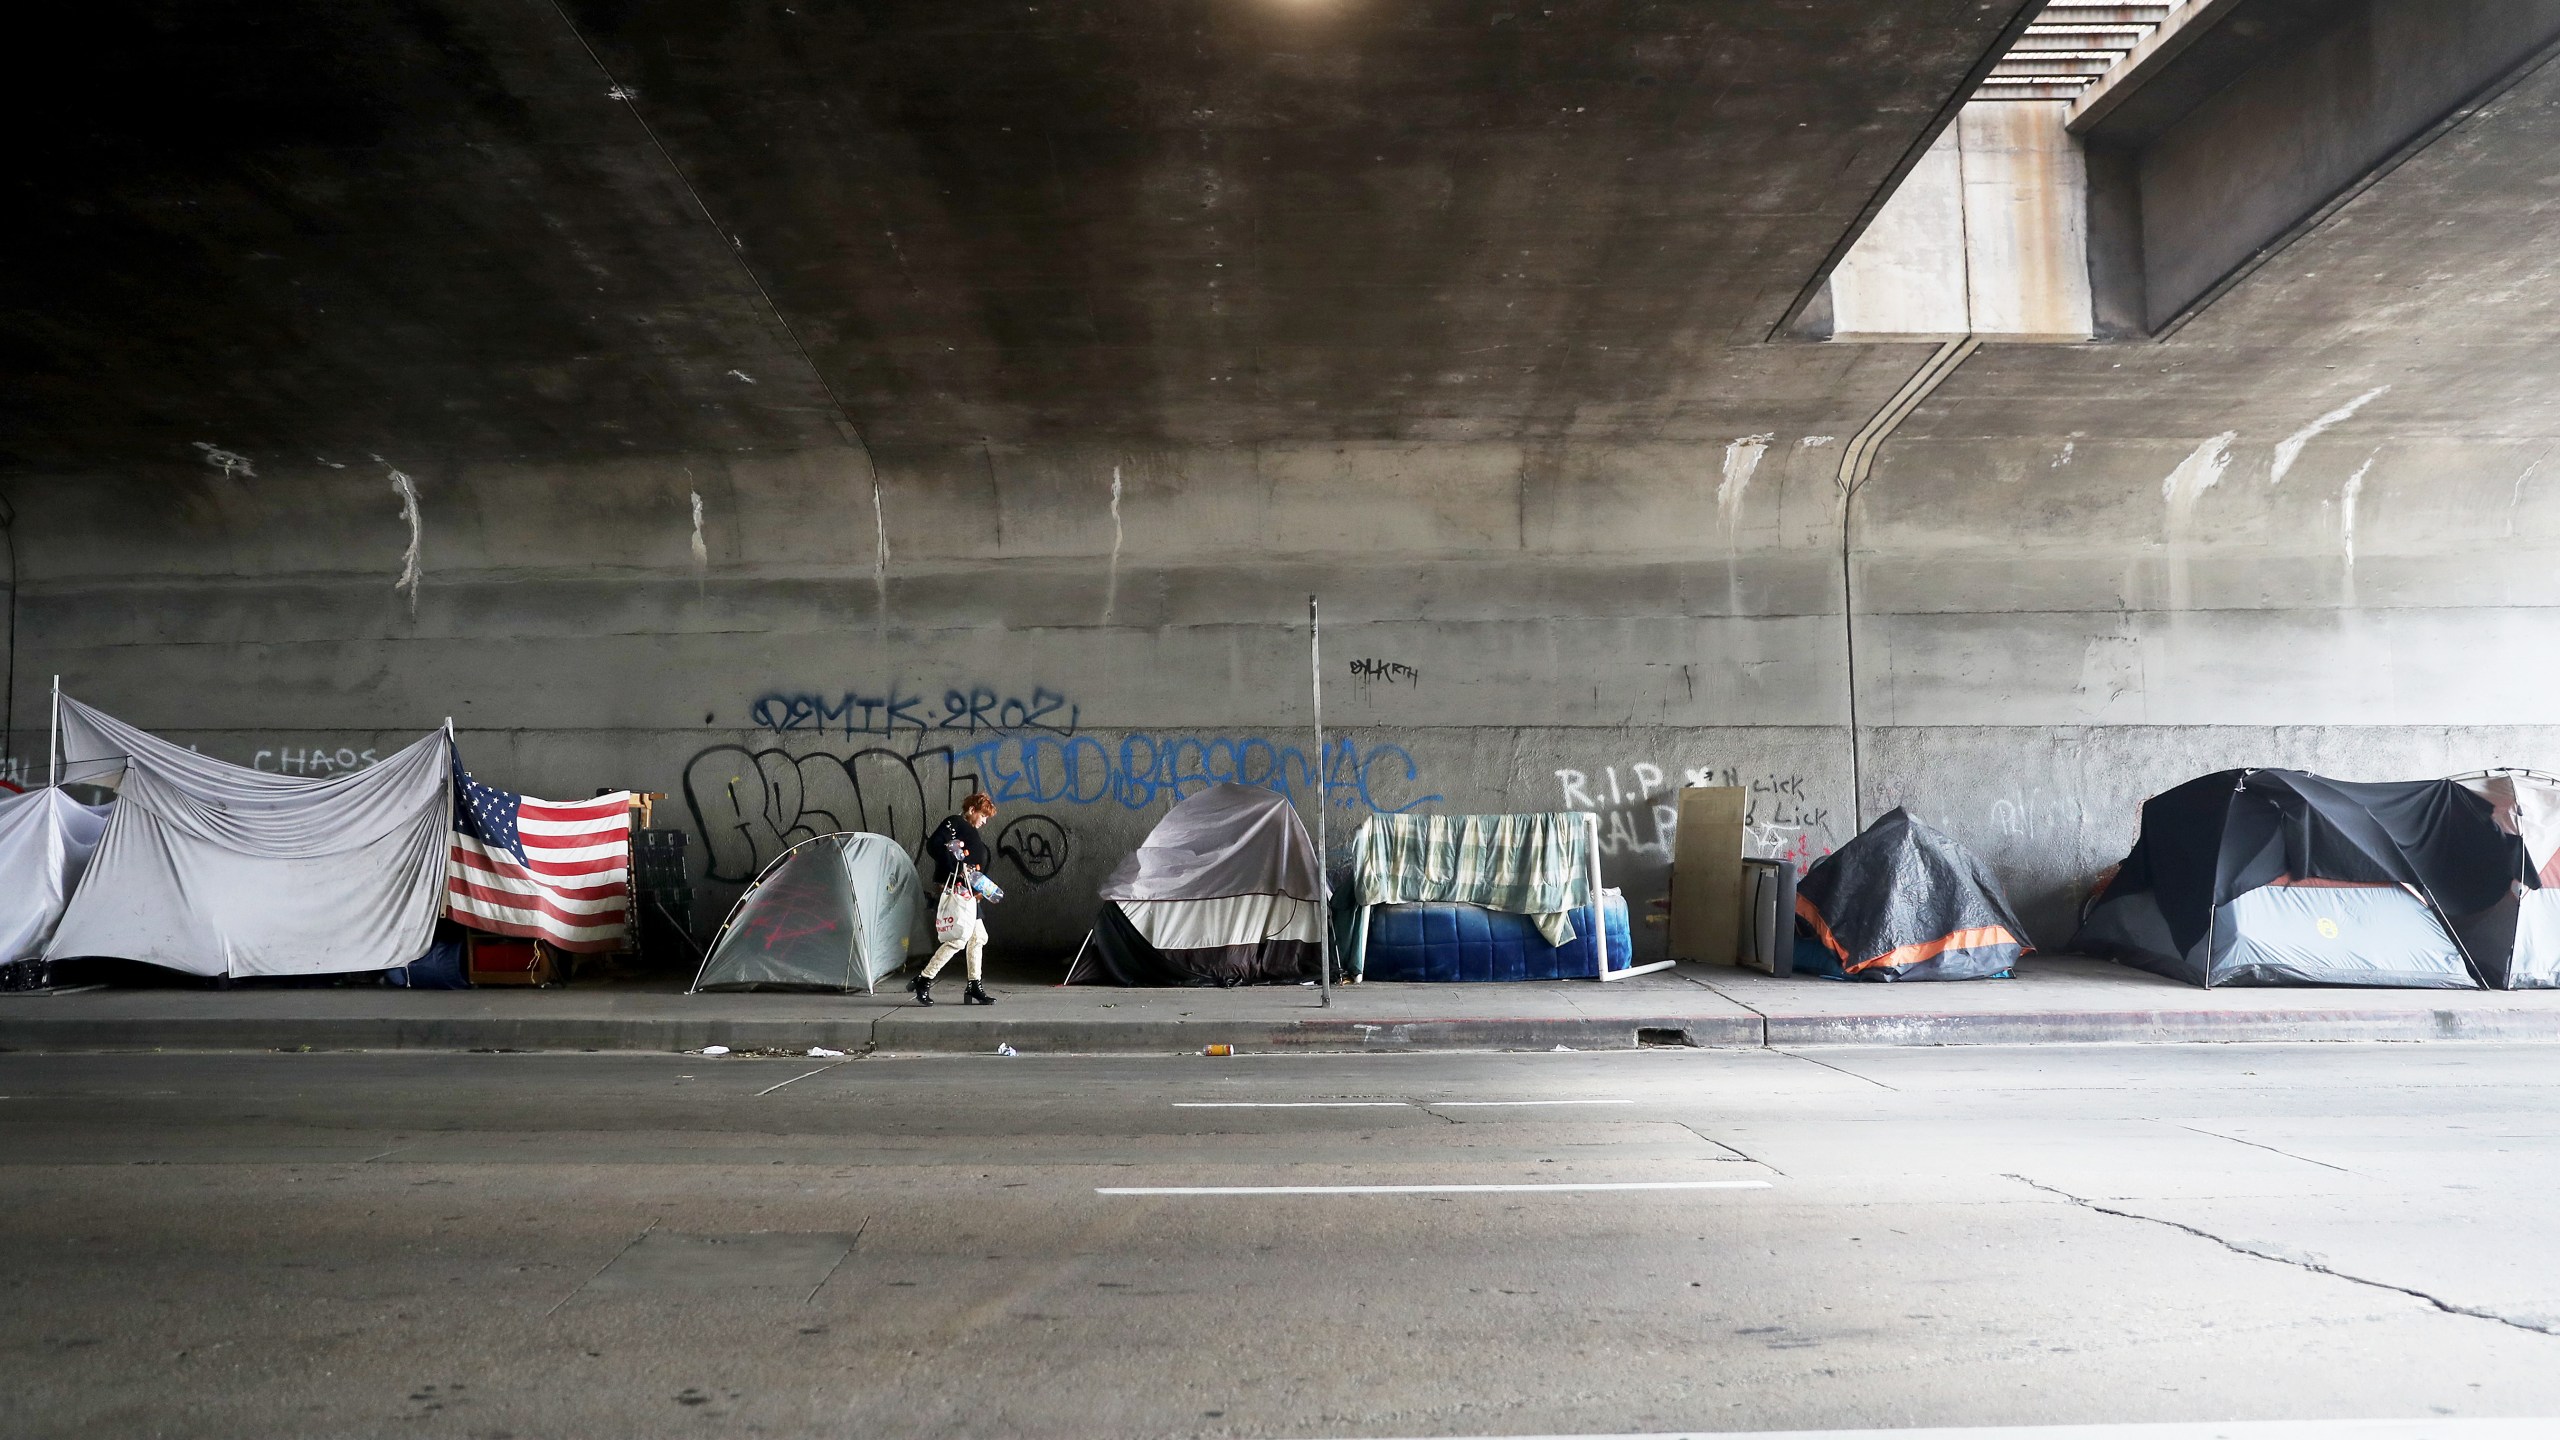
[751,805]
[964,710]
[1640,814]
[1037,846]
[316,760]
[1144,768]
[1369,672]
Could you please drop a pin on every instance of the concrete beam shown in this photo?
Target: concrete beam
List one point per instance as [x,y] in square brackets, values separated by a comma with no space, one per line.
[2248,122]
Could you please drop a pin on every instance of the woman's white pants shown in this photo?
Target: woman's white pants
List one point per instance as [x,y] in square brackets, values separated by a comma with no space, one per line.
[975,937]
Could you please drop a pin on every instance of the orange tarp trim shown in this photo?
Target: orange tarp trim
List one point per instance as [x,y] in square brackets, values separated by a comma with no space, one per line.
[1821,928]
[1903,954]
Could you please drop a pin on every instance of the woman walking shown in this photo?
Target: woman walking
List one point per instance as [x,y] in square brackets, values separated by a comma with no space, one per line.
[959,850]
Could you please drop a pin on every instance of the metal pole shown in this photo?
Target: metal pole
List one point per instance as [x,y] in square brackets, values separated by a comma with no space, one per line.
[1324,802]
[1599,912]
[53,739]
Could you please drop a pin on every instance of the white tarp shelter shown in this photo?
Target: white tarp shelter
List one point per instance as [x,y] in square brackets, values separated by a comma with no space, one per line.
[1225,890]
[45,841]
[214,869]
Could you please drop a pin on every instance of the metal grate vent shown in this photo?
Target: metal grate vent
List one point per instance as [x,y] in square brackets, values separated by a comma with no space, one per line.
[2068,47]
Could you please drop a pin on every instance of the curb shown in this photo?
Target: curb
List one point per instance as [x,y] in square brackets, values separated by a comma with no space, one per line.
[2157,1027]
[907,1033]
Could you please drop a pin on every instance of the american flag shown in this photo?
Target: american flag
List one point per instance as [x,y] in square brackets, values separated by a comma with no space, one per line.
[558,871]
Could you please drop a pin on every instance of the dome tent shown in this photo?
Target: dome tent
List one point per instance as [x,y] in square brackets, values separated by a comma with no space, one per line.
[1902,901]
[835,912]
[1224,891]
[2281,877]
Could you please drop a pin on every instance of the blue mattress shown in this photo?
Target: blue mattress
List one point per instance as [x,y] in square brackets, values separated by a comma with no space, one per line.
[1446,942]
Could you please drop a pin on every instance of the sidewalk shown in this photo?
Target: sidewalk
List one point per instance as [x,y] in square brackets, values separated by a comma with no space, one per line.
[2063,1001]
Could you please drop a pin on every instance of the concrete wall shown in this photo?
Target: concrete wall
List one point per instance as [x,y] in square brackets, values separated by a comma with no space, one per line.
[2054,628]
[2065,631]
[1508,627]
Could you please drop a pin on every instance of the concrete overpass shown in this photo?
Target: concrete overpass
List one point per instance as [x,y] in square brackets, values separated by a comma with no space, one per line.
[809,408]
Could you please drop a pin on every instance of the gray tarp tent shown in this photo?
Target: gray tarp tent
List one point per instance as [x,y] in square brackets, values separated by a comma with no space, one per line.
[214,869]
[45,841]
[1904,901]
[1224,891]
[835,912]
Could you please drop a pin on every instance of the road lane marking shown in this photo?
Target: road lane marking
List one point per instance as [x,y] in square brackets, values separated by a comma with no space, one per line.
[1430,1189]
[1488,1104]
[1292,1105]
[1376,1104]
[2126,1431]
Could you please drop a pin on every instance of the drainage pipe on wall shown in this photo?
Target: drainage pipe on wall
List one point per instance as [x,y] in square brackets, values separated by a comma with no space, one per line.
[1856,463]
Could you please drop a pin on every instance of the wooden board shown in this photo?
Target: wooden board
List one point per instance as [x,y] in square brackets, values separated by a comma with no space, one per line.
[1706,876]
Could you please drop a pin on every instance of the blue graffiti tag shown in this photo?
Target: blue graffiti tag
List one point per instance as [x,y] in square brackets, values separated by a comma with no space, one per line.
[976,710]
[1082,770]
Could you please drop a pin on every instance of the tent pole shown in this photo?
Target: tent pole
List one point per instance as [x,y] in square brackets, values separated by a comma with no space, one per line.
[1324,802]
[53,739]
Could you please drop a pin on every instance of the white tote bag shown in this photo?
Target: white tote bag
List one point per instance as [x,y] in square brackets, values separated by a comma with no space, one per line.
[953,914]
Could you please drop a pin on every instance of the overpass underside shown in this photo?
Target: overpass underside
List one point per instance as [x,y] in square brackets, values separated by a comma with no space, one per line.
[814,412]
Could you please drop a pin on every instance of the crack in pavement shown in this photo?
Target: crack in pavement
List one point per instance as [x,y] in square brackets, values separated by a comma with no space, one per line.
[2255,1145]
[1735,1151]
[1827,1065]
[2314,1266]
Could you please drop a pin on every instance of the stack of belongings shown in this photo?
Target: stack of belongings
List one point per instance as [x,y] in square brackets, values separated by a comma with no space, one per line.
[46,838]
[833,913]
[1902,901]
[1224,891]
[2516,945]
[213,869]
[2280,877]
[1482,898]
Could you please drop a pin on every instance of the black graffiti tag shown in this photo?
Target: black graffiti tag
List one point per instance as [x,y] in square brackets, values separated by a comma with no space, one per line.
[1037,846]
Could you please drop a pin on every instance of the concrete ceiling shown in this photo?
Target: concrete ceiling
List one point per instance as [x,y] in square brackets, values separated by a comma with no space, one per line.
[2439,281]
[313,230]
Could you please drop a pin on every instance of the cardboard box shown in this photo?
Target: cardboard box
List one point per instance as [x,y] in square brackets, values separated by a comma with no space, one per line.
[1706,876]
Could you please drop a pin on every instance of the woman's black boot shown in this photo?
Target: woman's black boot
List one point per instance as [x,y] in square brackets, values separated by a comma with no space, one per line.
[923,986]
[975,996]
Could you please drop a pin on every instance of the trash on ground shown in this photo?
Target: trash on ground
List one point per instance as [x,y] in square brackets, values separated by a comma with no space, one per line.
[713,1050]
[1219,1050]
[821,1052]
[1007,1050]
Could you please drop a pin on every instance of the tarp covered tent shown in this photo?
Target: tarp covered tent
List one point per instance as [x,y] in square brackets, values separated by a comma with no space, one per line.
[2280,877]
[1224,891]
[45,841]
[1902,901]
[214,869]
[837,912]
[2516,946]
[1441,942]
[1541,867]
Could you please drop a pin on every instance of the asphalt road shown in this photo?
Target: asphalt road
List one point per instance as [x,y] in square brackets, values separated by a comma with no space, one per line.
[554,1245]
